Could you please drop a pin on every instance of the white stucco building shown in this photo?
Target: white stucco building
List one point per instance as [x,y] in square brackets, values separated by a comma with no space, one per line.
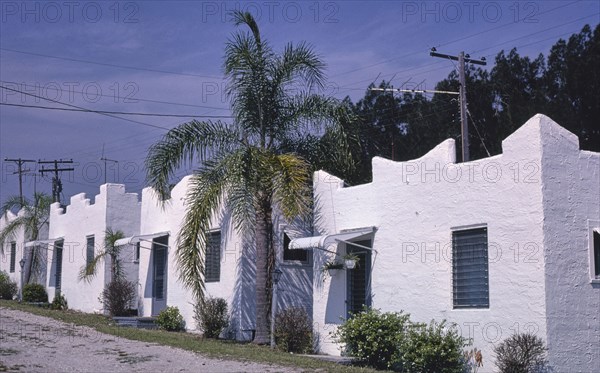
[18,247]
[12,250]
[496,245]
[76,236]
[230,265]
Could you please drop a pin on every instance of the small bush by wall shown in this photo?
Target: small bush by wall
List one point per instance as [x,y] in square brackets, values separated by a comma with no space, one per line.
[293,330]
[521,353]
[212,316]
[59,302]
[118,297]
[433,348]
[389,340]
[170,319]
[8,288]
[373,337]
[35,293]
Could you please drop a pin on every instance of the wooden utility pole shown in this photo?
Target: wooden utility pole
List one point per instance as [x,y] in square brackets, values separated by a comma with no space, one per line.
[108,160]
[56,183]
[20,162]
[462,59]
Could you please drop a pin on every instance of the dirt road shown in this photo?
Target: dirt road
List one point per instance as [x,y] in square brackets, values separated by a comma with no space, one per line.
[31,343]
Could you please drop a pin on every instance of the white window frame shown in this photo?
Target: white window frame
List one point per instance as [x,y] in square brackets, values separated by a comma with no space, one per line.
[459,229]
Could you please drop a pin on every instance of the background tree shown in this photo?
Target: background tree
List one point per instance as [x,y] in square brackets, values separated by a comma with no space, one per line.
[32,217]
[246,166]
[565,86]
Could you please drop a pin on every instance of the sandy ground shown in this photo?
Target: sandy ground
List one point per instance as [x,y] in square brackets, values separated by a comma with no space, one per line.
[31,343]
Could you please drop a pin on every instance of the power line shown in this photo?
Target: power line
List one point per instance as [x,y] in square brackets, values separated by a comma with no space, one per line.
[109,64]
[117,112]
[89,110]
[57,89]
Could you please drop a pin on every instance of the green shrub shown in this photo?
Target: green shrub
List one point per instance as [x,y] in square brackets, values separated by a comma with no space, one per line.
[35,293]
[293,330]
[521,353]
[212,316]
[59,302]
[433,348]
[118,297]
[373,337]
[8,288]
[170,319]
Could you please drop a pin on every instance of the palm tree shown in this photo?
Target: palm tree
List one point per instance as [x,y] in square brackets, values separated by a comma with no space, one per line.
[112,251]
[244,165]
[32,218]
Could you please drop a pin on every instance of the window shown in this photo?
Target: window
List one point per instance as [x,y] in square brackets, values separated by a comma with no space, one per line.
[136,253]
[213,257]
[596,239]
[13,256]
[470,280]
[89,258]
[296,254]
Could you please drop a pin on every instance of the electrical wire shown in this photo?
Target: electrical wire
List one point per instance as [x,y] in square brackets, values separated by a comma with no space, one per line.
[117,112]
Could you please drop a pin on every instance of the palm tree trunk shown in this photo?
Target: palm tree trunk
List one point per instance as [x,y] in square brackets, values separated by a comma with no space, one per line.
[264,268]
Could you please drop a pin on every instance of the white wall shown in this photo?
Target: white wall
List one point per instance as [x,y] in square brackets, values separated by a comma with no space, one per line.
[111,208]
[571,193]
[237,281]
[416,205]
[5,258]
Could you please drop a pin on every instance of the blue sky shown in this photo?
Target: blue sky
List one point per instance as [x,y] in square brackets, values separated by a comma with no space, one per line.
[166,57]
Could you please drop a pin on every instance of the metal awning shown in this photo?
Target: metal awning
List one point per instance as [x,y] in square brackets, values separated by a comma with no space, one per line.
[42,242]
[321,242]
[142,237]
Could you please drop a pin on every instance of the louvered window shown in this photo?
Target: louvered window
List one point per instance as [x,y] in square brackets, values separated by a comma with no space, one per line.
[213,256]
[89,258]
[470,277]
[13,256]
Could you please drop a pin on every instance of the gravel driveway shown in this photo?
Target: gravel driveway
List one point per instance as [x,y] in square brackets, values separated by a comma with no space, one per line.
[31,343]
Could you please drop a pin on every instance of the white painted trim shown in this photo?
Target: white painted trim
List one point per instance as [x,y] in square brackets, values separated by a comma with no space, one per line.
[321,242]
[144,237]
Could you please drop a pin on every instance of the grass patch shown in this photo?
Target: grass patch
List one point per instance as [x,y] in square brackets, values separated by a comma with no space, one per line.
[212,348]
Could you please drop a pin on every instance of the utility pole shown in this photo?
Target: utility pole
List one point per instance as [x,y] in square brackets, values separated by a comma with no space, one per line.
[56,183]
[462,59]
[20,162]
[107,160]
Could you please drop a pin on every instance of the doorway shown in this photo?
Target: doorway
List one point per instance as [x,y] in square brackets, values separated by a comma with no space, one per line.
[159,274]
[358,292]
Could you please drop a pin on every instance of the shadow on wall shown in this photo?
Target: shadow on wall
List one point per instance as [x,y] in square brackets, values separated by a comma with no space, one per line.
[243,305]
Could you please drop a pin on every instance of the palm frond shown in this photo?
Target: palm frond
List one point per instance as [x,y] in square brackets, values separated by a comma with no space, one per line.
[291,185]
[181,145]
[88,272]
[10,230]
[203,201]
[110,238]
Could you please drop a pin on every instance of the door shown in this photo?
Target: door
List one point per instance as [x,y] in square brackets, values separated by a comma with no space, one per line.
[159,274]
[58,254]
[358,292]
